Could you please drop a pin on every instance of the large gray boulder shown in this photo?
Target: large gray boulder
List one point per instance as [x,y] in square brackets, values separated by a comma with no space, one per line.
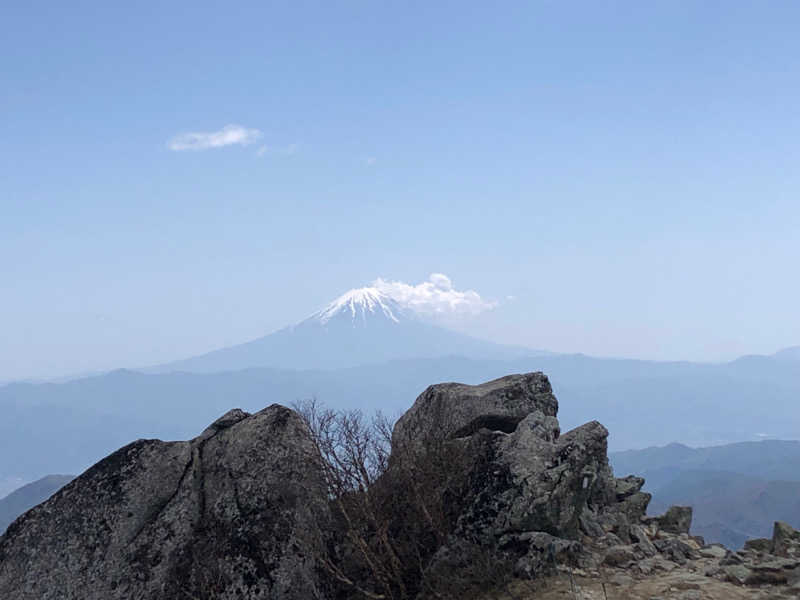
[233,513]
[526,481]
[455,410]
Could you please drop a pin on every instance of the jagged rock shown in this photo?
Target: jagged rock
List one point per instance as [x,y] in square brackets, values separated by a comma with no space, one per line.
[785,540]
[677,520]
[453,410]
[624,487]
[544,553]
[592,527]
[642,540]
[713,551]
[532,478]
[676,550]
[690,541]
[526,479]
[233,513]
[635,506]
[771,573]
[758,545]
[737,573]
[619,556]
[656,563]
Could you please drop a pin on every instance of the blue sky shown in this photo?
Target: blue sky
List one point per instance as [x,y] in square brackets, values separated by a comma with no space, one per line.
[627,172]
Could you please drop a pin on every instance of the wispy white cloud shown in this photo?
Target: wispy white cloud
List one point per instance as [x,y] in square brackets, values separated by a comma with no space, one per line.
[284,150]
[435,297]
[370,160]
[230,135]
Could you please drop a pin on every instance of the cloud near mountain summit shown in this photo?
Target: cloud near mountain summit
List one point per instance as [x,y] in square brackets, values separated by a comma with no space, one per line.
[435,297]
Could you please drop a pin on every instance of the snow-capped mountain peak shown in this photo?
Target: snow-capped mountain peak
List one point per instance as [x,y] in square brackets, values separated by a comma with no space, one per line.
[360,304]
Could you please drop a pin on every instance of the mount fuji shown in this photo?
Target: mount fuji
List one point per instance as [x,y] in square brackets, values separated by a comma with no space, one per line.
[363,326]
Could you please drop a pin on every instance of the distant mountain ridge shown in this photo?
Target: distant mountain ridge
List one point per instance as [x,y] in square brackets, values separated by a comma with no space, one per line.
[737,490]
[792,353]
[28,496]
[66,427]
[768,460]
[362,326]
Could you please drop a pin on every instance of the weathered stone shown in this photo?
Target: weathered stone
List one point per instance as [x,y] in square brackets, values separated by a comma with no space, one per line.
[766,575]
[758,545]
[619,556]
[544,553]
[233,513]
[677,520]
[657,563]
[555,494]
[616,521]
[526,477]
[689,541]
[635,506]
[643,542]
[731,558]
[676,550]
[713,551]
[736,573]
[453,410]
[785,540]
[590,525]
[625,487]
[532,478]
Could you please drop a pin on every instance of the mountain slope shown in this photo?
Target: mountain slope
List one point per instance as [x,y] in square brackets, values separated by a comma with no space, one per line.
[28,496]
[730,508]
[765,460]
[792,353]
[737,490]
[363,326]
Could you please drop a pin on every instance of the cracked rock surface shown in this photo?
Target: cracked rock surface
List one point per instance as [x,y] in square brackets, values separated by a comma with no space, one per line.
[221,516]
[529,481]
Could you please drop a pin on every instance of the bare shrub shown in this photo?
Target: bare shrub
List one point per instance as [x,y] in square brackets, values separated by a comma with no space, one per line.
[391,513]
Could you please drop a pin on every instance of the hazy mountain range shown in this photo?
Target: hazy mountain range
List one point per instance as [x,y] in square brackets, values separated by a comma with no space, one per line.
[737,491]
[366,350]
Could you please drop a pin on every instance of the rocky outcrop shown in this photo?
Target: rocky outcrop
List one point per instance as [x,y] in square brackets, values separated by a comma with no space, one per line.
[229,514]
[549,503]
[454,410]
[243,512]
[534,493]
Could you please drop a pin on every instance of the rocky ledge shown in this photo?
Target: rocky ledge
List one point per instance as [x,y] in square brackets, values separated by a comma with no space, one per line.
[664,565]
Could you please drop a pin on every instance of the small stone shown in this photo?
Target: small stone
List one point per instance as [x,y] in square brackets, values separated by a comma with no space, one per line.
[618,556]
[713,551]
[737,573]
[758,545]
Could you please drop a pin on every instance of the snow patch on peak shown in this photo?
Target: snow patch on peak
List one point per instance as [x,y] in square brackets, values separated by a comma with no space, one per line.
[360,303]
